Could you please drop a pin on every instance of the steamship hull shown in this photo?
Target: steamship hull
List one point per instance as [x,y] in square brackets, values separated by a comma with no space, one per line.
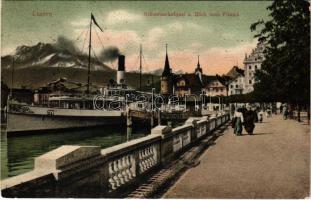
[40,119]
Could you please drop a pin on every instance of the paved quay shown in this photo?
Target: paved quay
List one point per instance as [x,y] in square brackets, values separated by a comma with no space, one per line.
[273,163]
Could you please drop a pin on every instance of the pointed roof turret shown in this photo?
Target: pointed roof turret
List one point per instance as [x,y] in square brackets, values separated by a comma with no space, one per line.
[167,69]
[198,69]
[198,65]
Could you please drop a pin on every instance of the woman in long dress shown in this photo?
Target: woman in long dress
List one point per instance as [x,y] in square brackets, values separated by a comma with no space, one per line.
[238,116]
[249,121]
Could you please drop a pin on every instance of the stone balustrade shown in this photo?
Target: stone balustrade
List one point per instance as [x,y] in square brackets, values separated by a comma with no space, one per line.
[88,171]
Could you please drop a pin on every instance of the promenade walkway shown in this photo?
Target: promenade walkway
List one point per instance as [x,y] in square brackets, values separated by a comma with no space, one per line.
[273,163]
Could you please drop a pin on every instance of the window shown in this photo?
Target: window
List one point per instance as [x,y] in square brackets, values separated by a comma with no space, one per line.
[216,89]
[250,67]
[250,81]
[255,66]
[231,86]
[221,90]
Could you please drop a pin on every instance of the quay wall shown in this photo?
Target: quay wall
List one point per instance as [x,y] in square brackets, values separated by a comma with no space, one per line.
[89,171]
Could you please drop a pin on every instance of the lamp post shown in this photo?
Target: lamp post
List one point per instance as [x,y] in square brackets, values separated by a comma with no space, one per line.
[152,91]
[210,100]
[219,103]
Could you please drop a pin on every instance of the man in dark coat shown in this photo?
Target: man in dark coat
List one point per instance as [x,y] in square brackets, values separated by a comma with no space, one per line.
[249,121]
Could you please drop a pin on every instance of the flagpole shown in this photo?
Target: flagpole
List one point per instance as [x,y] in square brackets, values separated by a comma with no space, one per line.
[89,67]
[140,67]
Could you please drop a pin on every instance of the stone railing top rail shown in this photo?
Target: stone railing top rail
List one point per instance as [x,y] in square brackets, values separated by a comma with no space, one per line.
[203,119]
[129,146]
[24,178]
[65,155]
[182,127]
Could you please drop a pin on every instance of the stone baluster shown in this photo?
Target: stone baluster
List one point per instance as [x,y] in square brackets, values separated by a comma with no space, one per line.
[112,182]
[128,171]
[125,168]
[115,182]
[116,172]
[146,156]
[142,166]
[119,171]
[150,157]
[145,159]
[153,156]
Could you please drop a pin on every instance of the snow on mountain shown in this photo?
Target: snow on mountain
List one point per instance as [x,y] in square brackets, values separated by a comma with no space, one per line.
[48,55]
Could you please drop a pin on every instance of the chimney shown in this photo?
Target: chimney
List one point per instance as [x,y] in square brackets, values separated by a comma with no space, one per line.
[121,66]
[121,70]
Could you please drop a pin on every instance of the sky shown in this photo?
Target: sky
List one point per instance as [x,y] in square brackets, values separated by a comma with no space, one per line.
[220,34]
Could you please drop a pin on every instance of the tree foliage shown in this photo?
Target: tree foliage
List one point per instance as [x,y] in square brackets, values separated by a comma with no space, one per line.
[285,72]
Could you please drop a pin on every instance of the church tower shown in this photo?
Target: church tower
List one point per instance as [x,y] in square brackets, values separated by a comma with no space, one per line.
[198,71]
[167,78]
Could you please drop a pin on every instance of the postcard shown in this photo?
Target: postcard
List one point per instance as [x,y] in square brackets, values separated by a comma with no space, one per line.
[155,99]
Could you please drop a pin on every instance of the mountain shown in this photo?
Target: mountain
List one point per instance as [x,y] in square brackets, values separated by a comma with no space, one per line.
[35,66]
[157,72]
[49,55]
[179,72]
[35,77]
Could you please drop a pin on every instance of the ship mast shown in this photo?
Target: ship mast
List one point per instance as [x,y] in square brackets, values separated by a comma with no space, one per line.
[140,66]
[12,78]
[89,67]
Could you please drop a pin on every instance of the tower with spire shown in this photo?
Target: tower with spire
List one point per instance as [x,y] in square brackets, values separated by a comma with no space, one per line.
[198,71]
[167,78]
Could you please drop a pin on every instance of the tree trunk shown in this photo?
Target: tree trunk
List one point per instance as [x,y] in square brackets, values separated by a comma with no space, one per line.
[308,111]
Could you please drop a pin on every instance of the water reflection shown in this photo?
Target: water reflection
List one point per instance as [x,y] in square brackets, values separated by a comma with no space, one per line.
[18,153]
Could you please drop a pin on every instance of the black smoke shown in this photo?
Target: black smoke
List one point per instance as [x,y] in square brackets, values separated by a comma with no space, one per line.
[109,54]
[64,44]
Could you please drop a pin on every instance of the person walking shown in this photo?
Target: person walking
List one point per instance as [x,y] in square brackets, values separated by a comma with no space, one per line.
[285,112]
[238,122]
[261,113]
[249,121]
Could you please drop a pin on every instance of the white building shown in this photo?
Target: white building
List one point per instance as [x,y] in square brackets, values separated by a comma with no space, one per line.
[237,81]
[251,63]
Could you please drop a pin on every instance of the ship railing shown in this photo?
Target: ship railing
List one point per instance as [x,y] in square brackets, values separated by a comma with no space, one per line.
[89,171]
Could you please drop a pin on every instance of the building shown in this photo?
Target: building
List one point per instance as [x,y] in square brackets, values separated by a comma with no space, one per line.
[167,78]
[22,95]
[189,83]
[213,87]
[237,81]
[252,63]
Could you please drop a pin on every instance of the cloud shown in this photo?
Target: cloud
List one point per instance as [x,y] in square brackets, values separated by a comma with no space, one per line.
[183,26]
[177,26]
[217,60]
[122,16]
[9,50]
[112,18]
[155,36]
[83,22]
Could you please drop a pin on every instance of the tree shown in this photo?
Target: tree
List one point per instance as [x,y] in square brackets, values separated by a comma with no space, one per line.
[285,72]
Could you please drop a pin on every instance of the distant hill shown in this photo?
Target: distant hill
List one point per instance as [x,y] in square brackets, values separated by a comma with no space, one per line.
[34,77]
[157,72]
